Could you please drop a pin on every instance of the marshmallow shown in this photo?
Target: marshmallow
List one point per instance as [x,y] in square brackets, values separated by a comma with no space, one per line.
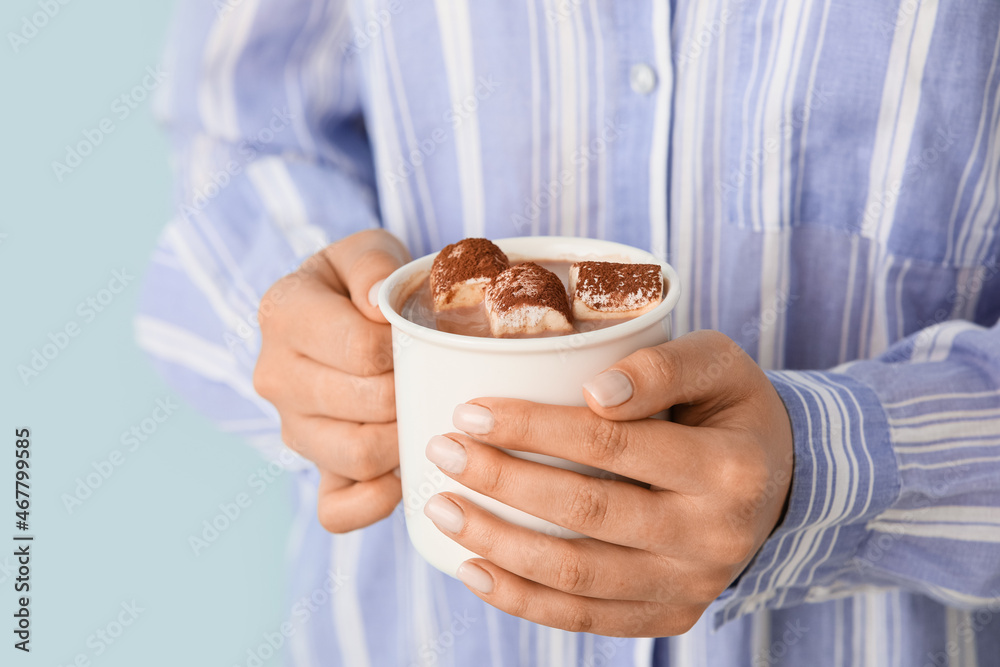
[609,290]
[461,272]
[527,300]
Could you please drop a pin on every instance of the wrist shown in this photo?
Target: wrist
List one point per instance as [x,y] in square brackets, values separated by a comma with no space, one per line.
[845,473]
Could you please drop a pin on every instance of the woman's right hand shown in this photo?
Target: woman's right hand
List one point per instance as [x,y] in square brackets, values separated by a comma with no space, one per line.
[326,365]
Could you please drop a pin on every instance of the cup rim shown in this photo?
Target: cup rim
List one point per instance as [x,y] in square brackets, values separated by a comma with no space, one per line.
[523,245]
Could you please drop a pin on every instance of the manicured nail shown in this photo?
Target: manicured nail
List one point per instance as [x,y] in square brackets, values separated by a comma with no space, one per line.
[473,419]
[446,454]
[445,514]
[610,388]
[373,293]
[474,576]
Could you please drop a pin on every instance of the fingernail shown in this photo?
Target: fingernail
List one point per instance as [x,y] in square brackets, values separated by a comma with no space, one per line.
[373,293]
[445,514]
[473,419]
[397,472]
[610,388]
[446,454]
[474,576]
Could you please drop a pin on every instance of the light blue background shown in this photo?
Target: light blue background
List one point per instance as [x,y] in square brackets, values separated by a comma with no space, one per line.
[129,540]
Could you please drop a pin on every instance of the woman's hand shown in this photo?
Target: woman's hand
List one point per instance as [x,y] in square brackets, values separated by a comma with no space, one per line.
[655,557]
[326,365]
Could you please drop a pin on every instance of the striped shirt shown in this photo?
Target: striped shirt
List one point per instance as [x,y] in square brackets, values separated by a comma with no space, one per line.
[825,176]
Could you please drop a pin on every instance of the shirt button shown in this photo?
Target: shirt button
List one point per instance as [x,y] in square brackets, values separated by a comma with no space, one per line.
[642,78]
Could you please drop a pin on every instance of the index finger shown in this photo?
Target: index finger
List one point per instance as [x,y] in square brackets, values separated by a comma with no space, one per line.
[325,326]
[362,261]
[671,456]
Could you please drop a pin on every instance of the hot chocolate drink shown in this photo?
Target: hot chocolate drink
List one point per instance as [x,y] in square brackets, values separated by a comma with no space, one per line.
[475,290]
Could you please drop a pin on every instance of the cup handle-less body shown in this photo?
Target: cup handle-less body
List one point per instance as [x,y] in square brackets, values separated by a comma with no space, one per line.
[435,371]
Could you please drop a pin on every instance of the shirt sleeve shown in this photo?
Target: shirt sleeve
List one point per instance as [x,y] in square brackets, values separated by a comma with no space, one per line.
[271,162]
[896,479]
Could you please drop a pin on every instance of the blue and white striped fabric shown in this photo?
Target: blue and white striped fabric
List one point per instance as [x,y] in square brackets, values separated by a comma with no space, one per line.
[824,175]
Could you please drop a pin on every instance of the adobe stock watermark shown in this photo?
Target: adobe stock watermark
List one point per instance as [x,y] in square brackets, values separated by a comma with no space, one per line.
[420,493]
[8,568]
[755,160]
[958,298]
[772,655]
[33,24]
[455,116]
[758,325]
[107,635]
[247,326]
[916,166]
[431,651]
[562,10]
[368,29]
[876,547]
[131,440]
[904,15]
[547,195]
[706,34]
[977,622]
[59,340]
[604,651]
[246,151]
[302,612]
[224,8]
[231,511]
[121,108]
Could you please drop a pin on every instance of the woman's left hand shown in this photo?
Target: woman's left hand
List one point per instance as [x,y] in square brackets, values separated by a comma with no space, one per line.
[655,557]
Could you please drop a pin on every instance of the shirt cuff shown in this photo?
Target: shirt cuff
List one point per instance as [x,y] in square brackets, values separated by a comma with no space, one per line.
[845,474]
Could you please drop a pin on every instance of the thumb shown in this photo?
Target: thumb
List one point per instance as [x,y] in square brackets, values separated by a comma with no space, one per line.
[700,367]
[362,261]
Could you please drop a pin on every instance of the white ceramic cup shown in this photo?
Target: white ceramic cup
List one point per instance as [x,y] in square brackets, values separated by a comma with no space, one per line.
[436,371]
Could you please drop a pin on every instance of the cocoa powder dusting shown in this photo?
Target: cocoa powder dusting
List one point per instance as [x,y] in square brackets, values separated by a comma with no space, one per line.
[528,284]
[468,259]
[610,286]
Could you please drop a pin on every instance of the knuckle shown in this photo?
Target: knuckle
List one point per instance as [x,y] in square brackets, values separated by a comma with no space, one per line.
[492,477]
[363,345]
[265,309]
[264,381]
[660,359]
[685,620]
[367,436]
[326,390]
[332,520]
[515,420]
[741,547]
[380,255]
[587,507]
[382,396]
[707,587]
[579,619]
[715,339]
[742,472]
[519,604]
[360,461]
[746,478]
[485,537]
[572,575]
[732,545]
[609,440]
